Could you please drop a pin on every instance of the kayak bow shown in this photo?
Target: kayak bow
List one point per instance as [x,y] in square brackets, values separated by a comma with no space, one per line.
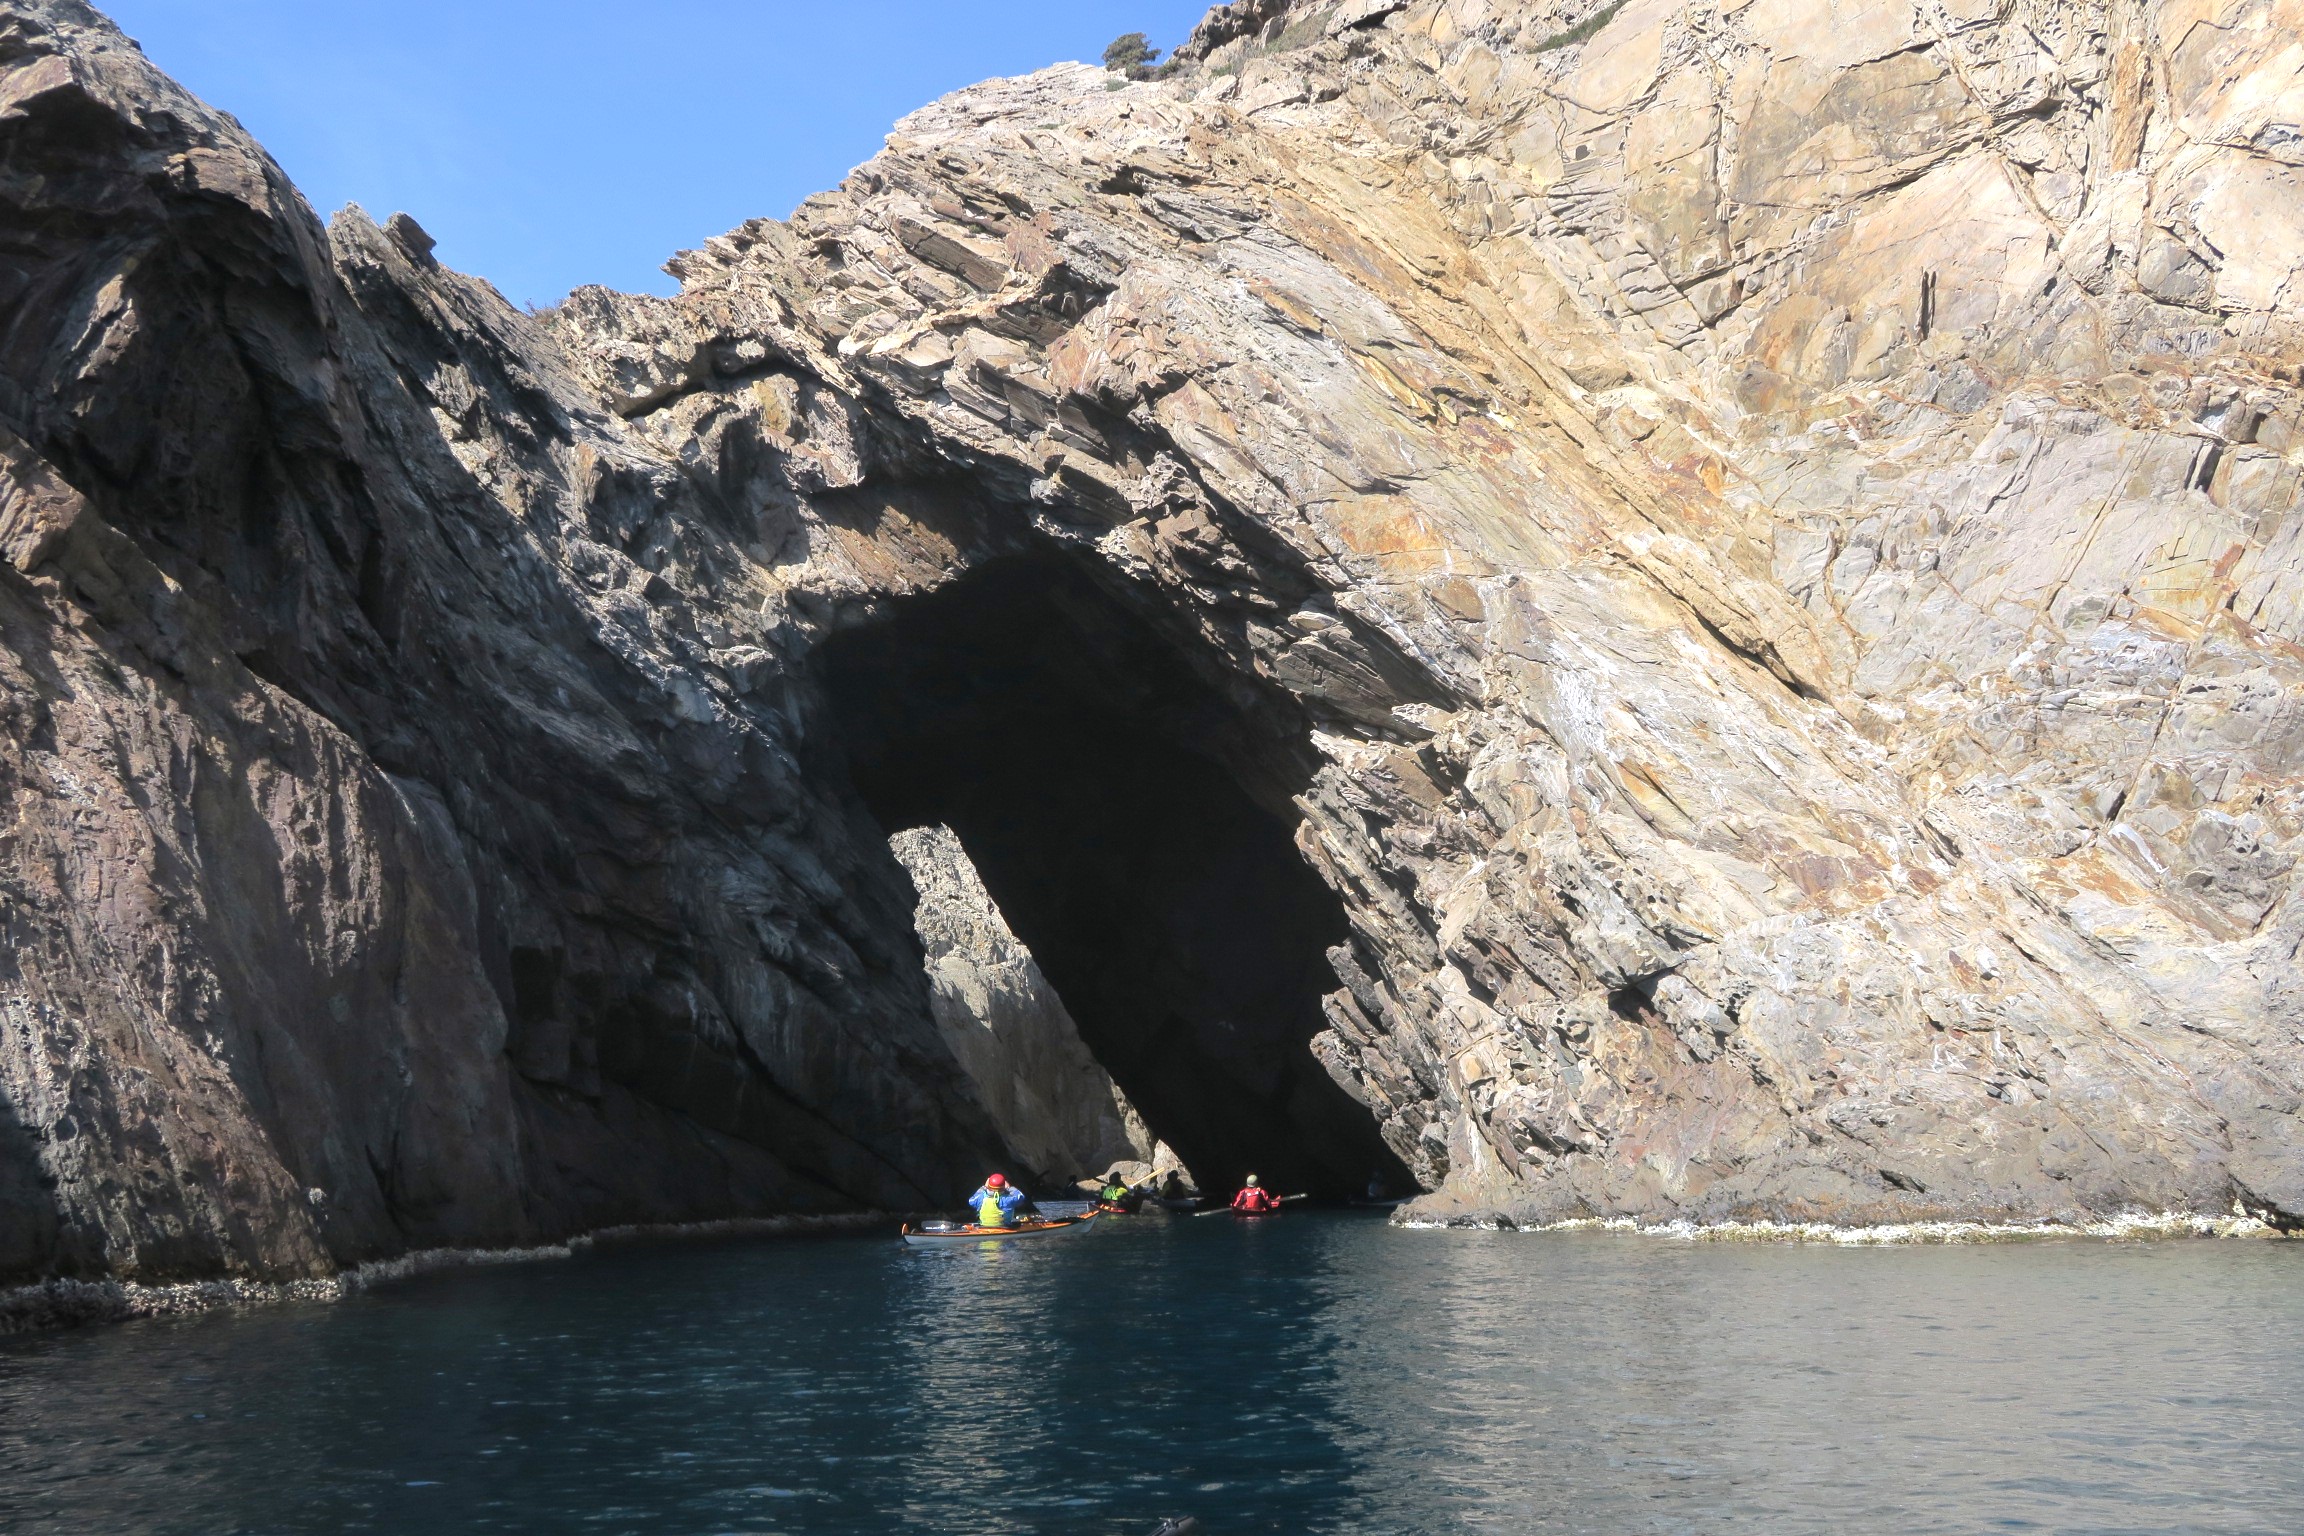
[946,1234]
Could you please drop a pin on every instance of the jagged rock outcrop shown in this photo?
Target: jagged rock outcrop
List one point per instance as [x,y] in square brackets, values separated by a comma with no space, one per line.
[1752,542]
[389,861]
[1056,1107]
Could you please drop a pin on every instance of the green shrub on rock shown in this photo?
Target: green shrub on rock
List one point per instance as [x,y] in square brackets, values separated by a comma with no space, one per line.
[1131,54]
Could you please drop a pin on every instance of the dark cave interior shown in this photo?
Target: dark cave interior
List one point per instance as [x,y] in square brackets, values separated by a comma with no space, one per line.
[1131,817]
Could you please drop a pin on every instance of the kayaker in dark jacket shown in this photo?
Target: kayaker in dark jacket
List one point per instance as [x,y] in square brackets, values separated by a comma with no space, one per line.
[1254,1199]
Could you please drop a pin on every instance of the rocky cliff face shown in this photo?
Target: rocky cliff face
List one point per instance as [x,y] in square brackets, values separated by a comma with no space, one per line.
[389,861]
[1677,607]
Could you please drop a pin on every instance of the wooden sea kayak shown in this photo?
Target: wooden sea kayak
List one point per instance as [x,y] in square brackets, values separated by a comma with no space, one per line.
[945,1234]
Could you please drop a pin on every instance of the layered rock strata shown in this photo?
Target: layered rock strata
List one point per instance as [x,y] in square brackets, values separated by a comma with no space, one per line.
[1788,584]
[1754,541]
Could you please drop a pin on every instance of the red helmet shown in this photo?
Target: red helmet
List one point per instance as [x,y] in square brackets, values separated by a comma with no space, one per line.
[995,1182]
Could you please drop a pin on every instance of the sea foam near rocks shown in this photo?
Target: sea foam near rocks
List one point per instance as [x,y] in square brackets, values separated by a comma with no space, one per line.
[65,1303]
[2129,1226]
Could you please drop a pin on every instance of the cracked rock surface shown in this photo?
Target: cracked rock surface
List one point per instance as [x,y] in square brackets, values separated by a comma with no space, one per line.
[1764,533]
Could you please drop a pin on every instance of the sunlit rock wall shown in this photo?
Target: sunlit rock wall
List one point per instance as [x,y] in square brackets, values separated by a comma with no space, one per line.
[1783,514]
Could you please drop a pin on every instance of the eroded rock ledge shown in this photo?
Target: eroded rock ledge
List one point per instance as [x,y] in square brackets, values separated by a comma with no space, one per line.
[1749,546]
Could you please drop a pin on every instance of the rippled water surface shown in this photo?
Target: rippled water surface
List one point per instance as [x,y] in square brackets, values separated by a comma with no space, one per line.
[1315,1373]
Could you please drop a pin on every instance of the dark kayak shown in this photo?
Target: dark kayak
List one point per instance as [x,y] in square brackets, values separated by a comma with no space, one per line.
[944,1234]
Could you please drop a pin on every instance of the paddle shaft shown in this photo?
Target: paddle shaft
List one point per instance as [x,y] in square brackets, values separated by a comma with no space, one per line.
[1225,1210]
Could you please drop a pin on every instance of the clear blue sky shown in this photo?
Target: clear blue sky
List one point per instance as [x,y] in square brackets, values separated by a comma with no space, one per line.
[547,143]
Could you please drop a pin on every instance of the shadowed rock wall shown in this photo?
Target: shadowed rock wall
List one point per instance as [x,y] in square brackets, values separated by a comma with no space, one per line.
[1085,766]
[388,863]
[1058,1108]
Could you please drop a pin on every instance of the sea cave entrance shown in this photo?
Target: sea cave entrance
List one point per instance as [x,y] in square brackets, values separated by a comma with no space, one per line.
[1131,815]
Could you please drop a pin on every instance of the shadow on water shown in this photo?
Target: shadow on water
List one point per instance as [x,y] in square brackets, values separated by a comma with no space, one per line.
[1314,1374]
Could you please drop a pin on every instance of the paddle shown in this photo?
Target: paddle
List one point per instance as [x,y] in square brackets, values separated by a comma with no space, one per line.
[1225,1210]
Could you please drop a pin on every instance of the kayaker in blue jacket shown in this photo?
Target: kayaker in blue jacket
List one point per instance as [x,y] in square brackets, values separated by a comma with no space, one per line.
[998,1203]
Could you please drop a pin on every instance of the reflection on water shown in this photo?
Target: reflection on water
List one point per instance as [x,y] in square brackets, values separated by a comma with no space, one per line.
[1312,1374]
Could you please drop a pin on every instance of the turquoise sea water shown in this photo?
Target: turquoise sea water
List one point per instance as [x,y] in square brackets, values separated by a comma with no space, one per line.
[1315,1373]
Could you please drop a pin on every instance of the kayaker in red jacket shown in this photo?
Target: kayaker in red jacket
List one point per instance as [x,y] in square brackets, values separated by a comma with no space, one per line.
[1254,1199]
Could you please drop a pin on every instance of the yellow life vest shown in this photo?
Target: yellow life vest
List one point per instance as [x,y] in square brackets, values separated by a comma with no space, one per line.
[989,1213]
